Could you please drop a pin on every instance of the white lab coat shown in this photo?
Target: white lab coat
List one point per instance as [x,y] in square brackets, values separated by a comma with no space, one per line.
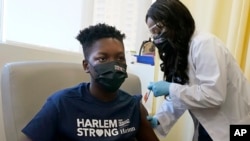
[217,95]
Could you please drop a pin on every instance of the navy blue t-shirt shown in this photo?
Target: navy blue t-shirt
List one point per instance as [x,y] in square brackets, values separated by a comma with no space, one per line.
[73,114]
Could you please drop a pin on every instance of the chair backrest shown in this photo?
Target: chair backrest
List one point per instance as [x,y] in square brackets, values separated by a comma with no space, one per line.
[26,85]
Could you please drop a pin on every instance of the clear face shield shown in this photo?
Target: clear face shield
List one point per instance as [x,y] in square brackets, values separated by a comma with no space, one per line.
[157,30]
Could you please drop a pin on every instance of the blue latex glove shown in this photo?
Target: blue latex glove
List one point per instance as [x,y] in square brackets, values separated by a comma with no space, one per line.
[159,88]
[153,121]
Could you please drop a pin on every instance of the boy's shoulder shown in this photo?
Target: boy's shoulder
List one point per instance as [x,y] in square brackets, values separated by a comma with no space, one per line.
[126,95]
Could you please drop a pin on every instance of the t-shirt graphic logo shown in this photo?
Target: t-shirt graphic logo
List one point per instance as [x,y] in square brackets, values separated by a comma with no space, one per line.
[123,125]
[97,128]
[103,127]
[99,132]
[118,68]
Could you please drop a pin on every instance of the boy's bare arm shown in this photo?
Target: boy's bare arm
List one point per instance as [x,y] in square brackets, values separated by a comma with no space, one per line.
[146,132]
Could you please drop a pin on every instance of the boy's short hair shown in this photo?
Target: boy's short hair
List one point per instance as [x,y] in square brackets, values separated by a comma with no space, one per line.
[96,32]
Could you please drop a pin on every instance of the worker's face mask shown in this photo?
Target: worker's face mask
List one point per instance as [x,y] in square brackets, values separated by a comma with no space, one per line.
[110,75]
[162,43]
[159,36]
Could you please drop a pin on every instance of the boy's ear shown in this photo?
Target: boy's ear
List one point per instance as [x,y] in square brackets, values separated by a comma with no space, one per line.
[85,66]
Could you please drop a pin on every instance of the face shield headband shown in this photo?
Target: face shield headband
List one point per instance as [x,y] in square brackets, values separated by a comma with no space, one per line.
[157,33]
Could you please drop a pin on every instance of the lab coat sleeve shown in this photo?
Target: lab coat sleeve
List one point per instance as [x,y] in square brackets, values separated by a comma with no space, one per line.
[208,59]
[167,116]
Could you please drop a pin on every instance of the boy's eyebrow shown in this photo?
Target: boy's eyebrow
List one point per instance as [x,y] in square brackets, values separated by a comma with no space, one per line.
[105,53]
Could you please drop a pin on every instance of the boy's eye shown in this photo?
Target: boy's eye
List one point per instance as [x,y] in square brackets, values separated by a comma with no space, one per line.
[101,59]
[121,58]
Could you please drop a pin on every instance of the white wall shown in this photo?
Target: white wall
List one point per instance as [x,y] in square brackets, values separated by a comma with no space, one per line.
[1,20]
[52,23]
[56,23]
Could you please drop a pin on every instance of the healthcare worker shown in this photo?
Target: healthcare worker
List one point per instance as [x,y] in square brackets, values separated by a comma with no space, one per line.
[200,75]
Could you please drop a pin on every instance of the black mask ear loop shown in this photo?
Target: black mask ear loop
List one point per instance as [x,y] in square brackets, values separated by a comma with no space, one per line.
[92,70]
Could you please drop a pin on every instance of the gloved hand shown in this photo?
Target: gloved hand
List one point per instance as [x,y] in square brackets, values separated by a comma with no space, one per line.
[159,88]
[153,121]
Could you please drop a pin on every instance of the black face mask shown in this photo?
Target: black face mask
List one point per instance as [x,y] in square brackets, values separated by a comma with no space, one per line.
[110,75]
[164,46]
[162,43]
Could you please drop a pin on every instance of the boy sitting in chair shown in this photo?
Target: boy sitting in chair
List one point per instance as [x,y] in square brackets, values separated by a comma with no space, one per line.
[97,110]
